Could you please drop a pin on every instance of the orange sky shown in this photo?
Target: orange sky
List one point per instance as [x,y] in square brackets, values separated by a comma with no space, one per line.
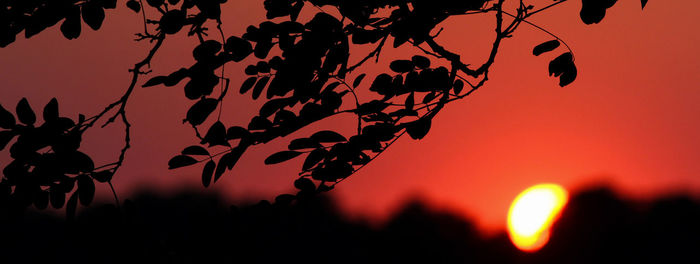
[630,119]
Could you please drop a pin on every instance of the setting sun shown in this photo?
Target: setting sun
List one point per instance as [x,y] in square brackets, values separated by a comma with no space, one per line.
[531,215]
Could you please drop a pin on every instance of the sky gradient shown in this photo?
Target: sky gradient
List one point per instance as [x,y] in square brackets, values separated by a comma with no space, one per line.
[630,119]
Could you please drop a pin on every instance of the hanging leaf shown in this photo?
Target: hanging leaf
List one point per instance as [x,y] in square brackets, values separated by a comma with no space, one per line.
[238,47]
[7,120]
[195,150]
[564,68]
[303,143]
[199,112]
[304,185]
[57,197]
[51,111]
[216,135]
[458,86]
[419,128]
[93,14]
[644,3]
[208,172]
[545,47]
[71,26]
[401,66]
[316,156]
[247,84]
[327,136]
[25,114]
[358,80]
[181,161]
[133,5]
[259,86]
[281,157]
[420,62]
[103,176]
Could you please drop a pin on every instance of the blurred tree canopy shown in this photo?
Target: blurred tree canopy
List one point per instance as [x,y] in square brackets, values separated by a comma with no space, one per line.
[299,65]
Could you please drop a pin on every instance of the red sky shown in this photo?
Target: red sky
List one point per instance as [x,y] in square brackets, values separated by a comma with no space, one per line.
[630,119]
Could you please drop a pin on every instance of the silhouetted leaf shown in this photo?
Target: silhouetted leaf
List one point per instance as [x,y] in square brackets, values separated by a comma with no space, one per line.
[420,62]
[155,81]
[327,136]
[133,5]
[71,206]
[238,47]
[545,47]
[247,84]
[458,86]
[103,176]
[208,172]
[593,11]
[86,189]
[50,113]
[93,14]
[206,50]
[181,161]
[236,132]
[644,3]
[304,185]
[7,120]
[195,150]
[564,68]
[25,114]
[419,128]
[281,157]
[401,66]
[259,86]
[71,26]
[155,3]
[199,112]
[216,135]
[314,157]
[358,80]
[303,143]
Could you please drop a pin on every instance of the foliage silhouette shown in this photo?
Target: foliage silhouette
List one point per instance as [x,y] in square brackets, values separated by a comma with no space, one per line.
[595,227]
[300,66]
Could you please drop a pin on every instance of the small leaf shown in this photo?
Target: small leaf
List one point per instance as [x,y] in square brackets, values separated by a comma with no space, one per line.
[57,197]
[247,84]
[421,62]
[281,157]
[51,111]
[93,14]
[303,143]
[259,86]
[419,128]
[401,66]
[7,120]
[216,135]
[25,114]
[71,26]
[155,81]
[358,80]
[199,112]
[236,132]
[103,176]
[314,158]
[644,3]
[458,86]
[545,47]
[181,161]
[133,5]
[208,172]
[195,150]
[327,136]
[86,189]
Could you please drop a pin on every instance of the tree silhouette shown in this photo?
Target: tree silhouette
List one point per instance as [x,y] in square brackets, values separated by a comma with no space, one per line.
[304,66]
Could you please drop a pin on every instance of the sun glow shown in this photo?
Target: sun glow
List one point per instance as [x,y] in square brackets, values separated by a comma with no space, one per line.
[532,213]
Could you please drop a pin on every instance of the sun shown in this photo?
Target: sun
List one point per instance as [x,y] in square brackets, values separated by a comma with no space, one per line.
[531,215]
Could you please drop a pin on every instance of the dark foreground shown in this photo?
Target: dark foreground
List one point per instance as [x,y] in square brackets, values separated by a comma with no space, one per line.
[596,227]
